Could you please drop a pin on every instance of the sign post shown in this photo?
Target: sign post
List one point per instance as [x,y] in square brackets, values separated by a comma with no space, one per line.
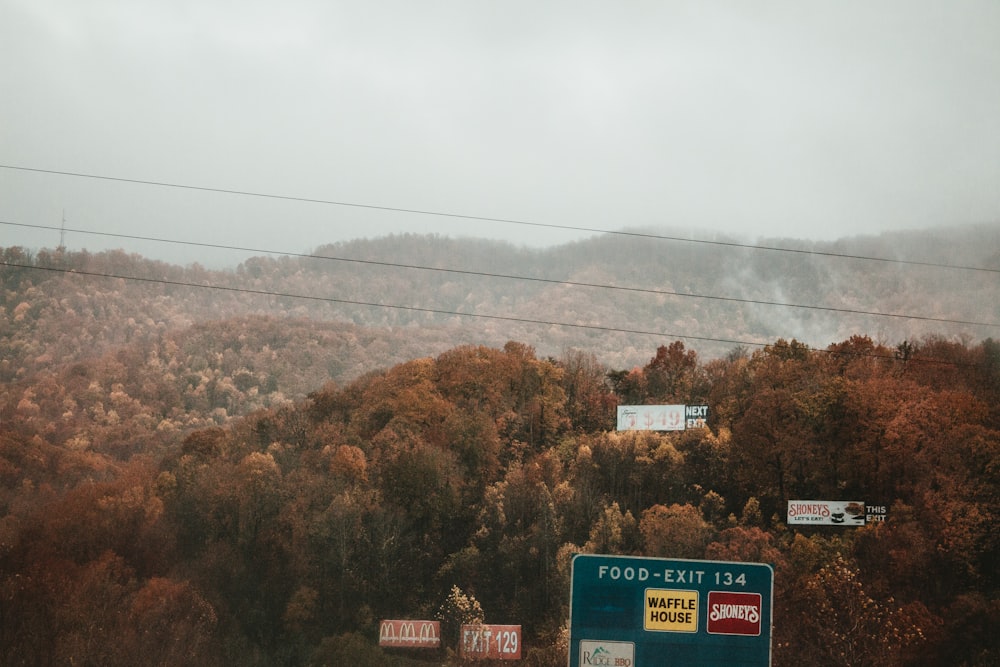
[629,611]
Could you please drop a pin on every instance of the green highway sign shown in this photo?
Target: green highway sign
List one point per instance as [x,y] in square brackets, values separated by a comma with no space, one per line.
[630,611]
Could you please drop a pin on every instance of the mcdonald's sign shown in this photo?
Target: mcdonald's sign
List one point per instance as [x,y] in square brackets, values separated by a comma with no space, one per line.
[410,634]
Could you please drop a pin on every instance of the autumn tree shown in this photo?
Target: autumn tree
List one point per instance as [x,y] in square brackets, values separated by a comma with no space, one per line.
[838,623]
[590,404]
[672,376]
[458,609]
[677,531]
[614,532]
[519,539]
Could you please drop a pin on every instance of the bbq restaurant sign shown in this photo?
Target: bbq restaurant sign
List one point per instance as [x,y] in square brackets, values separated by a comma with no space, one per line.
[826,512]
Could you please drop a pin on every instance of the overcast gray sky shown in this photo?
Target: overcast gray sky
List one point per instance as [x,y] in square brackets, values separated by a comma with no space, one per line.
[815,119]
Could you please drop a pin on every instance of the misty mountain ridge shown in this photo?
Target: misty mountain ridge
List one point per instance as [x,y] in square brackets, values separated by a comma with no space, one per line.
[715,295]
[617,296]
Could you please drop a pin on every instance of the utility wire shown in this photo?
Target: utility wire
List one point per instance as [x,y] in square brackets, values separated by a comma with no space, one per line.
[483,274]
[437,311]
[480,218]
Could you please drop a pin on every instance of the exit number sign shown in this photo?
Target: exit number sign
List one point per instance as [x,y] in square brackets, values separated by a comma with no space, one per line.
[491,642]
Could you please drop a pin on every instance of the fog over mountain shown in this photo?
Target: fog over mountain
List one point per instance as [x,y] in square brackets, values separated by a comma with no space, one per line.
[616,295]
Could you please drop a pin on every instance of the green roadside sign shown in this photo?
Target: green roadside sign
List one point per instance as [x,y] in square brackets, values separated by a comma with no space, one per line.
[630,611]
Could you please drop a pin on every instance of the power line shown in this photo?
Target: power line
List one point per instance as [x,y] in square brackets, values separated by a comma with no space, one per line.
[480,218]
[437,311]
[552,281]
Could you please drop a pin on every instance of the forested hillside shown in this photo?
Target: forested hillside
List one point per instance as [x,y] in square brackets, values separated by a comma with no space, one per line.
[613,295]
[248,467]
[466,480]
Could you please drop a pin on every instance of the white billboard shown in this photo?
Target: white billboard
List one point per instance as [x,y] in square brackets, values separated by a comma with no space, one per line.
[651,418]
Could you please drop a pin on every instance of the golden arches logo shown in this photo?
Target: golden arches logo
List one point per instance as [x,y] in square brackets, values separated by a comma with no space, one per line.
[420,634]
[428,632]
[387,631]
[407,632]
